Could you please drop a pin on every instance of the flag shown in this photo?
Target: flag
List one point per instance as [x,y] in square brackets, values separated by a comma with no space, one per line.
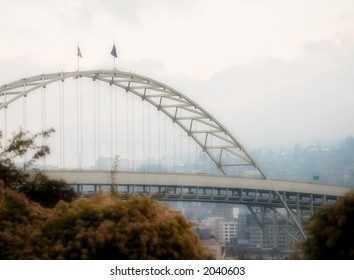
[114,51]
[79,52]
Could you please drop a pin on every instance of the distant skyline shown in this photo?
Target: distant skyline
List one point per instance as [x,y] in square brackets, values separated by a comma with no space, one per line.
[273,72]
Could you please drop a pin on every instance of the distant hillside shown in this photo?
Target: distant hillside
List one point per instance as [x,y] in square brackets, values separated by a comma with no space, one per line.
[313,163]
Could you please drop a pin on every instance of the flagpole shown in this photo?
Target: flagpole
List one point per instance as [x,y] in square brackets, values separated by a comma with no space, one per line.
[114,54]
[114,57]
[78,61]
[79,55]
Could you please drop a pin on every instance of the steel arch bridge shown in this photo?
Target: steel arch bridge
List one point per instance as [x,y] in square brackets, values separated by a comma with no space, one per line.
[224,150]
[215,140]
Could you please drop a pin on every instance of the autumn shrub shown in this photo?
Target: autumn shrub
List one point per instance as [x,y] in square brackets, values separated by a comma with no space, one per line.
[103,227]
[106,227]
[20,224]
[331,232]
[38,187]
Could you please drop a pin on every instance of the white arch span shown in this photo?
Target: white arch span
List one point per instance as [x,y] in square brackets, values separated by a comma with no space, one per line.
[214,139]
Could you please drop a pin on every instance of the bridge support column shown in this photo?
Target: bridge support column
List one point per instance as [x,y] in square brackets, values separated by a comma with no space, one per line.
[291,214]
[260,219]
[80,189]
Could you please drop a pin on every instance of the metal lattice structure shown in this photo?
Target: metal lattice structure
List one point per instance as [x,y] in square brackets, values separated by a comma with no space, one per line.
[216,141]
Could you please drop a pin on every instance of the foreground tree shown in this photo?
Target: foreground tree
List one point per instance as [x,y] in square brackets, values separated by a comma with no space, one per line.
[38,187]
[106,227]
[46,191]
[331,232]
[22,144]
[20,224]
[103,227]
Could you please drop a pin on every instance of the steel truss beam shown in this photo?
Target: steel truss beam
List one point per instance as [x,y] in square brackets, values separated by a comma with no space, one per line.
[282,222]
[275,229]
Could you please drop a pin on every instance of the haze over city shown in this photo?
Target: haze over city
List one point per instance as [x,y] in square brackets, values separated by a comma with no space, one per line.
[273,72]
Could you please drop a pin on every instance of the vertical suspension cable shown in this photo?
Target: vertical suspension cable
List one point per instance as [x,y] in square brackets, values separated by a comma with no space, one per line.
[24,112]
[196,150]
[127,108]
[63,120]
[5,121]
[43,109]
[81,128]
[189,153]
[77,125]
[111,123]
[94,125]
[116,128]
[60,127]
[159,140]
[62,123]
[149,135]
[165,142]
[174,147]
[180,148]
[143,120]
[133,142]
[99,124]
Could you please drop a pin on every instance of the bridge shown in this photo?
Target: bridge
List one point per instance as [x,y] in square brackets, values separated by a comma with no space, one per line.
[95,148]
[199,187]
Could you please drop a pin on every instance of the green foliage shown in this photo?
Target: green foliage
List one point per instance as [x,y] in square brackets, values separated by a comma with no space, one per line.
[48,192]
[22,143]
[331,232]
[37,187]
[103,227]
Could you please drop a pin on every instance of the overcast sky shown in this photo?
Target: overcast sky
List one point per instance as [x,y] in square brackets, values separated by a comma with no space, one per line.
[274,72]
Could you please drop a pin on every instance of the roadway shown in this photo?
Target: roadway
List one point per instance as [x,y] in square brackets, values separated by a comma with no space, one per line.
[192,180]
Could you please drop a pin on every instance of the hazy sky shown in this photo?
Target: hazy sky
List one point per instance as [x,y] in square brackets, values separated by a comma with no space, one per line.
[274,72]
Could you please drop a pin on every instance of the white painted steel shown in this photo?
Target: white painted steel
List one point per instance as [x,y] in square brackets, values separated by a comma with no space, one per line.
[214,139]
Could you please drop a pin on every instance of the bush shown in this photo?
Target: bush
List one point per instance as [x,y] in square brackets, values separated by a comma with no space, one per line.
[103,227]
[330,232]
[47,192]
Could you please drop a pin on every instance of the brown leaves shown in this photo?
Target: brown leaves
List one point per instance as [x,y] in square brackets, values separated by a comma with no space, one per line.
[23,142]
[20,223]
[104,227]
[39,188]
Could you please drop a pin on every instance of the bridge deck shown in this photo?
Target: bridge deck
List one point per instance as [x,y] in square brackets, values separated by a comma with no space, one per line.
[294,197]
[192,180]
